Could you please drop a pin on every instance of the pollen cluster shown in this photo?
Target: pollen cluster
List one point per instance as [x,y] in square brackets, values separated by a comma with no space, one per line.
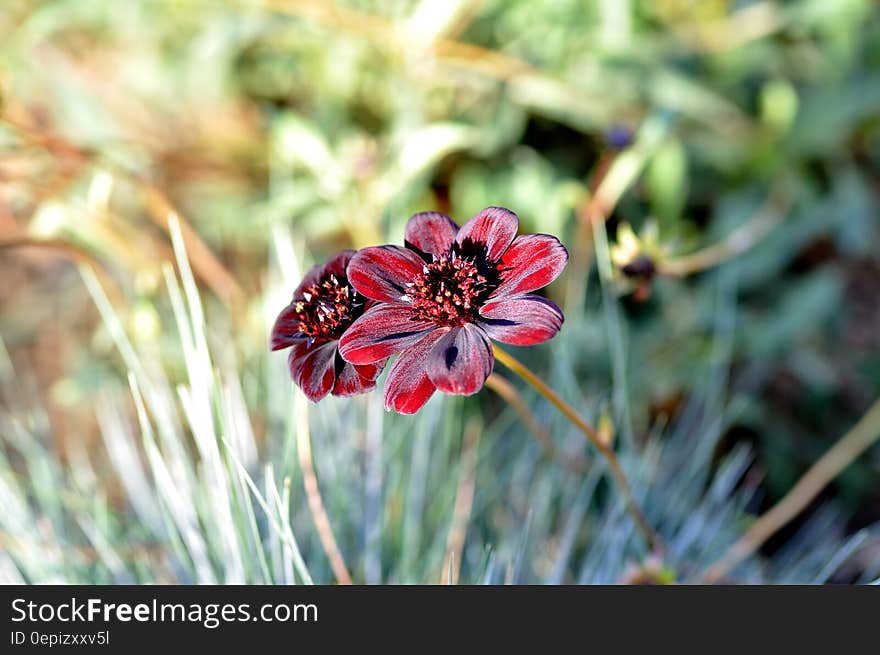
[449,290]
[327,308]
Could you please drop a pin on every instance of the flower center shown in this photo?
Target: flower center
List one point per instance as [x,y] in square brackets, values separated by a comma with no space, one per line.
[327,308]
[451,289]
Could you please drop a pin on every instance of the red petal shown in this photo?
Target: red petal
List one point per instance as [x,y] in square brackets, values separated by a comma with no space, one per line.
[335,265]
[522,320]
[494,227]
[339,262]
[382,331]
[532,261]
[382,272]
[431,232]
[408,386]
[351,380]
[370,371]
[285,332]
[461,361]
[312,369]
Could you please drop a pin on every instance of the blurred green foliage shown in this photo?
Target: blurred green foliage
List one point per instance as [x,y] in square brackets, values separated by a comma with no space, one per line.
[298,127]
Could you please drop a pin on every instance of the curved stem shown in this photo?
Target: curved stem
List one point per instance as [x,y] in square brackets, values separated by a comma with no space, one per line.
[315,502]
[592,436]
[739,241]
[464,502]
[503,387]
[859,438]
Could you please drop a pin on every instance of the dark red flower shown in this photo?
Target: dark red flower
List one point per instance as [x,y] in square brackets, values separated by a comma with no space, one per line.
[324,305]
[444,296]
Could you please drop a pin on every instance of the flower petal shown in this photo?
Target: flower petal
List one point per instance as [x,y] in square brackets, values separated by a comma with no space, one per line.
[461,361]
[382,331]
[521,320]
[382,272]
[430,232]
[408,386]
[312,369]
[286,332]
[352,380]
[532,261]
[370,371]
[339,262]
[494,228]
[335,265]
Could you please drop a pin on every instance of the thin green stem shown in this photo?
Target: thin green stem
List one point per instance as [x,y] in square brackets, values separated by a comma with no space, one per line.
[592,436]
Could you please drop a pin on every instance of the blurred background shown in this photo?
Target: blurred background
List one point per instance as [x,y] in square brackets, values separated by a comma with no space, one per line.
[168,169]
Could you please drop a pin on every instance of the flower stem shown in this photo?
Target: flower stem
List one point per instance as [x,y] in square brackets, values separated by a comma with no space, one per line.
[313,496]
[592,436]
[504,388]
[843,453]
[771,213]
[464,502]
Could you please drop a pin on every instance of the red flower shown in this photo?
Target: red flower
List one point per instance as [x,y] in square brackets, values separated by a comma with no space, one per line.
[324,305]
[444,296]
